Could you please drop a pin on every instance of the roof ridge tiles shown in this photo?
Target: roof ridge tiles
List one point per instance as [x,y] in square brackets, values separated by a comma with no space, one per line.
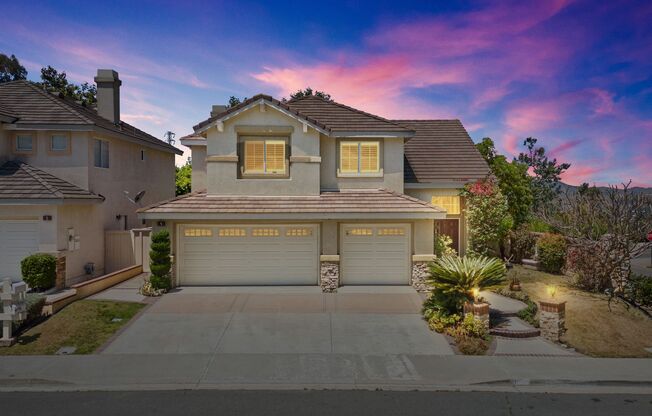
[35,174]
[59,101]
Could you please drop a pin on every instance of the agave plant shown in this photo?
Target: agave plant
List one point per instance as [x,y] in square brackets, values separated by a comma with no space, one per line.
[453,279]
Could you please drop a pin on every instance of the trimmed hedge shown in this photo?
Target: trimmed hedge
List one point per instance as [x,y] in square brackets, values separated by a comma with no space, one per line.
[39,271]
[552,252]
[160,263]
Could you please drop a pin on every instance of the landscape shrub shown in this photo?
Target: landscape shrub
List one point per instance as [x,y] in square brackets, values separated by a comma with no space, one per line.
[39,271]
[522,243]
[639,290]
[160,262]
[470,336]
[443,245]
[552,252]
[452,279]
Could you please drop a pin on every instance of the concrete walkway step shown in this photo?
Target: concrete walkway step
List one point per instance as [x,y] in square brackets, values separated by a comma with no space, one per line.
[513,327]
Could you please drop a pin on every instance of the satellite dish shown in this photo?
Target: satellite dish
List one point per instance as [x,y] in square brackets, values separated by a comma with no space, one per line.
[137,198]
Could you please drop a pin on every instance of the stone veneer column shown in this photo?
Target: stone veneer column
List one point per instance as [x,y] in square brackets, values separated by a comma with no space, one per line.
[552,319]
[420,271]
[480,312]
[60,281]
[329,273]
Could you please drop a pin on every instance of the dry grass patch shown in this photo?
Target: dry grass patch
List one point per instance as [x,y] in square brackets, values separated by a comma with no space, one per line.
[592,328]
[85,325]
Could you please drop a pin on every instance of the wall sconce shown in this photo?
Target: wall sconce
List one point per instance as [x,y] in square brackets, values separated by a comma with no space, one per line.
[47,218]
[160,223]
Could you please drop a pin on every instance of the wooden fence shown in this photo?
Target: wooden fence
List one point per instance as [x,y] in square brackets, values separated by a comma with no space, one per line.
[123,249]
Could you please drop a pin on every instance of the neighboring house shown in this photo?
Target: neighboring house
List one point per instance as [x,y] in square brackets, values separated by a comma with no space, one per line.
[311,191]
[64,170]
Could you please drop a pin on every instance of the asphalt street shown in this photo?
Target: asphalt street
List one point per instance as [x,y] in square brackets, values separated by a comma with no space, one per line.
[322,402]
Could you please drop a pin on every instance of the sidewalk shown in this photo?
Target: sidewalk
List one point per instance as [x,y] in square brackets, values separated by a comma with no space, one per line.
[319,371]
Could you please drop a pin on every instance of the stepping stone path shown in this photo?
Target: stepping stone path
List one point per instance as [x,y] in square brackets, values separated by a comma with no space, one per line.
[512,335]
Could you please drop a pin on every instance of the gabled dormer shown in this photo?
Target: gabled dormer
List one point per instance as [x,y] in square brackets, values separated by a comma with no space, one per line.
[300,147]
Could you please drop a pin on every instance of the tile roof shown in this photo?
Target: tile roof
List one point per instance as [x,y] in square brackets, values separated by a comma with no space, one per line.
[5,112]
[33,106]
[441,150]
[341,118]
[20,181]
[328,115]
[348,201]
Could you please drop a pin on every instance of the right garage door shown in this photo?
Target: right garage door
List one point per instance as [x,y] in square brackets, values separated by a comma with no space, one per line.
[375,254]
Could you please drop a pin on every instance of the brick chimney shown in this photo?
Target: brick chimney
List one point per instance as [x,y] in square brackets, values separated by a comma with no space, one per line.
[108,94]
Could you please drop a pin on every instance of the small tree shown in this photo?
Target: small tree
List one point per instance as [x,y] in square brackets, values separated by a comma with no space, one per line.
[513,181]
[183,179]
[160,263]
[488,217]
[606,230]
[307,92]
[11,69]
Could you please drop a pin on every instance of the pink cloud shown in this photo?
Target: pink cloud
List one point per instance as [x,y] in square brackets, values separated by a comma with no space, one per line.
[524,119]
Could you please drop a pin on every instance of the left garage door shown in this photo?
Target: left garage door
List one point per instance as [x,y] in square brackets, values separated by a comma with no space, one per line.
[18,239]
[241,255]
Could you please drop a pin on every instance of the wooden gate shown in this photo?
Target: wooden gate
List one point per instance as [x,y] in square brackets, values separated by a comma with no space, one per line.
[123,249]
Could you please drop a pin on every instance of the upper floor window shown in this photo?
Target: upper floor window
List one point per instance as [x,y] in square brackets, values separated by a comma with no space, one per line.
[264,157]
[359,157]
[101,153]
[59,143]
[450,203]
[24,143]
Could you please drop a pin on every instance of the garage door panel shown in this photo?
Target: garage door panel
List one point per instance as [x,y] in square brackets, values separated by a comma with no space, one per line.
[250,255]
[18,239]
[375,254]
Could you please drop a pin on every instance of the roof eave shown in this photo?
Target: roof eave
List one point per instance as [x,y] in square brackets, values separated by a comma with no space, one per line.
[370,134]
[155,215]
[50,201]
[204,126]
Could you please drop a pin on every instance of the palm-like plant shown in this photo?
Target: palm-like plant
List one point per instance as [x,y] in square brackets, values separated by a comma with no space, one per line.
[453,279]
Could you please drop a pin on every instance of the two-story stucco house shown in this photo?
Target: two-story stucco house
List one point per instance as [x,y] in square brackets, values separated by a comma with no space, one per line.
[310,192]
[64,171]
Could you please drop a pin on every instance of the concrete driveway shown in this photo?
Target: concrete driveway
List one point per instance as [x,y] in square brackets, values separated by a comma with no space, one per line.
[282,320]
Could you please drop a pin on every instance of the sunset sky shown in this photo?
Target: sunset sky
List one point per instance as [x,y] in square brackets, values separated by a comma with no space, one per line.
[575,74]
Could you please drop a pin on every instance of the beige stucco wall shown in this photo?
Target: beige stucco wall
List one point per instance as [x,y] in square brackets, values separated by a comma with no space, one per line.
[127,172]
[391,153]
[198,168]
[71,166]
[428,193]
[86,220]
[222,176]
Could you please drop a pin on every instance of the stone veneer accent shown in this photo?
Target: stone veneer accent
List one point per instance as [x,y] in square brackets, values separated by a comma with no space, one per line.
[419,276]
[329,277]
[60,281]
[552,319]
[480,312]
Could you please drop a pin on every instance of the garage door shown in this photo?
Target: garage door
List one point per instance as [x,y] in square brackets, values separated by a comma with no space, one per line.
[18,239]
[375,254]
[236,255]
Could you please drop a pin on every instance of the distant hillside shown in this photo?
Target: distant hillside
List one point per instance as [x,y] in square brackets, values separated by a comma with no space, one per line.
[637,189]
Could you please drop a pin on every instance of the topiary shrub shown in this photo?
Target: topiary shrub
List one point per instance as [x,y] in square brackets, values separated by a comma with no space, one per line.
[160,262]
[39,271]
[552,252]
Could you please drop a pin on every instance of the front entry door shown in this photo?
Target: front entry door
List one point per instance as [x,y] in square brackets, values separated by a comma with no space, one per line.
[451,228]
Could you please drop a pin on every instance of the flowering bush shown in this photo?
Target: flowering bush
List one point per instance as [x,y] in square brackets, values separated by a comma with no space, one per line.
[443,245]
[487,215]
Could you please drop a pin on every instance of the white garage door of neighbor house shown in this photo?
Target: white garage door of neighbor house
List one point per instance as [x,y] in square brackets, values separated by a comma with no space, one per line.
[375,254]
[235,255]
[18,239]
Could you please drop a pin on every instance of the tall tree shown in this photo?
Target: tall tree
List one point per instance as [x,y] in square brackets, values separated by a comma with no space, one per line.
[57,82]
[11,69]
[513,181]
[546,172]
[183,179]
[307,92]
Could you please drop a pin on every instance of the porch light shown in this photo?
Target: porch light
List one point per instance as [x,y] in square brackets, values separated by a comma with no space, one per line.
[476,293]
[552,290]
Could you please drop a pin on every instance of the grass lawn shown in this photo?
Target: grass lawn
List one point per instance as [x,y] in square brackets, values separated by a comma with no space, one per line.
[592,328]
[85,324]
